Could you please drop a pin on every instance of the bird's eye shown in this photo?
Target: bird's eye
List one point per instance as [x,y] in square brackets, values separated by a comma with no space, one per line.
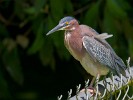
[67,23]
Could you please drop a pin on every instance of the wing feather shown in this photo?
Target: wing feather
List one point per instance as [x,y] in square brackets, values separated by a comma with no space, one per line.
[101,51]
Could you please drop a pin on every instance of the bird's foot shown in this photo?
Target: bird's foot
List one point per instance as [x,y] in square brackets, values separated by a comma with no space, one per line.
[89,89]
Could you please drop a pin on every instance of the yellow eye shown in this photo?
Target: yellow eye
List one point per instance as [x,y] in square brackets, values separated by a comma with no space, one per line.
[67,23]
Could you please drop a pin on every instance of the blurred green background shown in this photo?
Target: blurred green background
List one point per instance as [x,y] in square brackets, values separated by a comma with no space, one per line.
[36,67]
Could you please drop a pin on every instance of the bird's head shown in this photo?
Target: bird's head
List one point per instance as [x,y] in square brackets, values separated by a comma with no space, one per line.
[66,23]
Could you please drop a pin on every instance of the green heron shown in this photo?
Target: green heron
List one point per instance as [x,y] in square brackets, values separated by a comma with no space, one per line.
[90,48]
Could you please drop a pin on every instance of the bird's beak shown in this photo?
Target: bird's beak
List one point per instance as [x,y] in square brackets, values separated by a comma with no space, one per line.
[57,28]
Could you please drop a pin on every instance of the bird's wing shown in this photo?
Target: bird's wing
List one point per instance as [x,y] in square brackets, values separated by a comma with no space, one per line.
[101,51]
[96,50]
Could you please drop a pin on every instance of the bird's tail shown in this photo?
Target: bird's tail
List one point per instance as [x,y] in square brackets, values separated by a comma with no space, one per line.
[121,67]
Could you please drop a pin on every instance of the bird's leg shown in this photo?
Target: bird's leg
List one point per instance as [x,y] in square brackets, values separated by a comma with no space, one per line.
[92,81]
[91,88]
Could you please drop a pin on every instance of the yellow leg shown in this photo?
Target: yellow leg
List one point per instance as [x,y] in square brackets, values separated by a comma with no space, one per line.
[90,87]
[92,81]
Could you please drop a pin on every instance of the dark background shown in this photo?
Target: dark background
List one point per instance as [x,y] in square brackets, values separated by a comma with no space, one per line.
[33,66]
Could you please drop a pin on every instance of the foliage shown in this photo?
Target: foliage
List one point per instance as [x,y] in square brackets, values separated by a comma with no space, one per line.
[24,23]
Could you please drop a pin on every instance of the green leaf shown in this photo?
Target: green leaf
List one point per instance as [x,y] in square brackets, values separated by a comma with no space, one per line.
[36,8]
[115,9]
[39,5]
[127,28]
[22,40]
[19,9]
[91,17]
[4,90]
[3,30]
[68,6]
[46,55]
[130,43]
[12,63]
[109,26]
[57,9]
[108,23]
[124,4]
[30,10]
[9,43]
[27,95]
[39,40]
[36,23]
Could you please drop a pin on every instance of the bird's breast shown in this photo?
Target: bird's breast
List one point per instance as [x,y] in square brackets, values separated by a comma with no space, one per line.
[73,43]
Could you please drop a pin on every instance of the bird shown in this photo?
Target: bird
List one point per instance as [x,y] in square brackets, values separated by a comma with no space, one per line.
[90,48]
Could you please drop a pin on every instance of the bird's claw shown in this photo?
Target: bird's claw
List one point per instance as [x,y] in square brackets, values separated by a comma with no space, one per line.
[91,90]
